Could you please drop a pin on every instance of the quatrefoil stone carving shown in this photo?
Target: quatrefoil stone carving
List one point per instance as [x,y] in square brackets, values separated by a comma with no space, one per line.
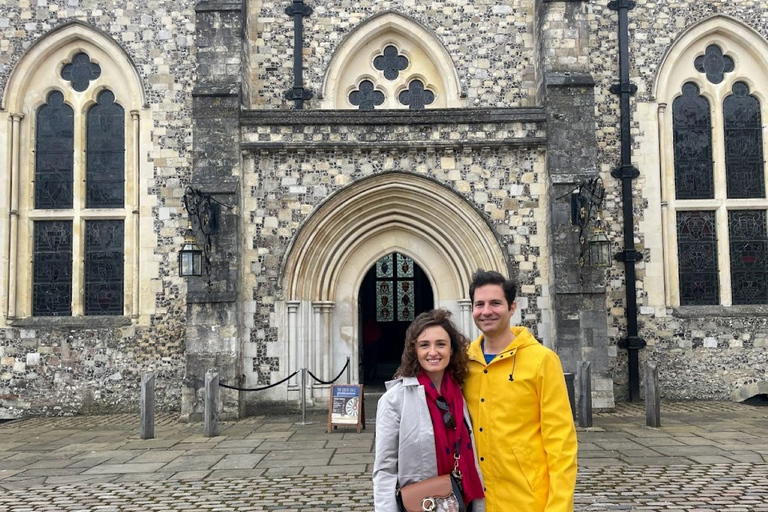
[416,96]
[81,71]
[714,64]
[366,97]
[390,62]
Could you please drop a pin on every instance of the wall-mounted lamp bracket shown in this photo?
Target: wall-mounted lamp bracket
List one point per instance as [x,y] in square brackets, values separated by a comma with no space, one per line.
[586,203]
[204,209]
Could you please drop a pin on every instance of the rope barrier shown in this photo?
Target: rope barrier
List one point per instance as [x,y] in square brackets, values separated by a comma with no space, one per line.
[260,389]
[221,384]
[331,381]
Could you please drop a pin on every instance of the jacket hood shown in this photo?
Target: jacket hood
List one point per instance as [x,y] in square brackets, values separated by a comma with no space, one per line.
[522,338]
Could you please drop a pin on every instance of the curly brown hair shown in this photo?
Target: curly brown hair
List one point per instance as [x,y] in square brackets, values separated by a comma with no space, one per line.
[457,367]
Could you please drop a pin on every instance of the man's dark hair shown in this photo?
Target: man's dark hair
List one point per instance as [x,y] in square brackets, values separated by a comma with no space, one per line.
[484,277]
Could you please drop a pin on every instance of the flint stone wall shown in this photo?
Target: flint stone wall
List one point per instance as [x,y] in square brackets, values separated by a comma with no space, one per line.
[91,365]
[492,46]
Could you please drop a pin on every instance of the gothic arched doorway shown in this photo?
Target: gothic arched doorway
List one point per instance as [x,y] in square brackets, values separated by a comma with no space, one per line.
[393,292]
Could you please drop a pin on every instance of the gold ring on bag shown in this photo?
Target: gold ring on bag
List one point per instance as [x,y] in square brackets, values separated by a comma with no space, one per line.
[428,504]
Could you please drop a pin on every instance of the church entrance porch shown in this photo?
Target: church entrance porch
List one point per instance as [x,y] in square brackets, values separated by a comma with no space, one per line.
[359,269]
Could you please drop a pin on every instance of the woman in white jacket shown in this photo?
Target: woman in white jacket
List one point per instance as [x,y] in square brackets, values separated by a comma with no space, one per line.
[422,418]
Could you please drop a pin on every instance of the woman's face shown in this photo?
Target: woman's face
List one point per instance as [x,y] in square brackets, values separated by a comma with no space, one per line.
[433,349]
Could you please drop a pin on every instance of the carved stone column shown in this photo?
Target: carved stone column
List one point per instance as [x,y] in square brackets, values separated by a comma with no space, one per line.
[14,212]
[465,318]
[295,359]
[322,333]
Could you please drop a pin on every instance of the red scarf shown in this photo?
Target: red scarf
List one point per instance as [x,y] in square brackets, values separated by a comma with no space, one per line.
[446,438]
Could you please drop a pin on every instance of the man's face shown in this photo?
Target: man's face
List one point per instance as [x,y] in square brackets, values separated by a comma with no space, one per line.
[491,311]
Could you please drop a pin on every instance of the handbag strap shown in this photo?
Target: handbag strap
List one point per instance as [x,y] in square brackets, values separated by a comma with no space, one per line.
[456,456]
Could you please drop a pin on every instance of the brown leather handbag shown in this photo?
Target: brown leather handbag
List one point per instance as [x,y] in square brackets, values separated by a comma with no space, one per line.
[437,494]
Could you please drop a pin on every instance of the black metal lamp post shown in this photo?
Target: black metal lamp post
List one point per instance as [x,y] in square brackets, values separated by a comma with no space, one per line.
[190,255]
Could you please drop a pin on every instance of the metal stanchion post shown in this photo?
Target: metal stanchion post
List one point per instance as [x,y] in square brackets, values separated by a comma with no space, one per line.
[349,372]
[304,398]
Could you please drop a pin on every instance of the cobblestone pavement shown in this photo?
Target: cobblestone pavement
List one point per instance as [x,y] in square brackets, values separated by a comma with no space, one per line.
[707,456]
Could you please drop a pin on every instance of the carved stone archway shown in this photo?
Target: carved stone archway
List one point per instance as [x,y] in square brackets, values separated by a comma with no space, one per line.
[346,235]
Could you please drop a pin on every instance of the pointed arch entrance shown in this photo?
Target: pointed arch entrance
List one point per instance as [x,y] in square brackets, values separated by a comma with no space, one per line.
[324,269]
[394,291]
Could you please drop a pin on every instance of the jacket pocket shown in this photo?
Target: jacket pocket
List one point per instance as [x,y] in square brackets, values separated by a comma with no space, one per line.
[533,472]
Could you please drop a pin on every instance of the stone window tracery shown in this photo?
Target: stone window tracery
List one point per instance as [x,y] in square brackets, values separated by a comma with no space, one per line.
[391,62]
[416,96]
[365,97]
[693,145]
[81,72]
[407,65]
[716,186]
[393,84]
[743,144]
[714,64]
[54,153]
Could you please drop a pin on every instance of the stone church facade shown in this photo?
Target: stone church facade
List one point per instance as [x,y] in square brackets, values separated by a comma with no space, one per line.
[421,141]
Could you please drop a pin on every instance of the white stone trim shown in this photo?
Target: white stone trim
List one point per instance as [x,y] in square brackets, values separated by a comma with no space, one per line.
[717,29]
[26,70]
[382,214]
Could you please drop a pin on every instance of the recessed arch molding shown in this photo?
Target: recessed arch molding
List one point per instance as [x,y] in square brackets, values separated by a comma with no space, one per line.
[424,219]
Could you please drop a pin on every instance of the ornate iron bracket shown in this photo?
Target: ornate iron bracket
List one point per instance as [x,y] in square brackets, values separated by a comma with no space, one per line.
[632,343]
[629,255]
[615,5]
[586,202]
[626,171]
[298,94]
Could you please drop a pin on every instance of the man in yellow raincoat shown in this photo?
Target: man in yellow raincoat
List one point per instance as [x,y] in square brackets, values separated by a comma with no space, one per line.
[516,395]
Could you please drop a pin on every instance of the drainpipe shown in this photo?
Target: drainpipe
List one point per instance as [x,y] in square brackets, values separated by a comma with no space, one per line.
[626,172]
[298,94]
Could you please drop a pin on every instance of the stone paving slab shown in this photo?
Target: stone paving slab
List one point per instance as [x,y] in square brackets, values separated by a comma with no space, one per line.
[103,469]
[248,461]
[707,456]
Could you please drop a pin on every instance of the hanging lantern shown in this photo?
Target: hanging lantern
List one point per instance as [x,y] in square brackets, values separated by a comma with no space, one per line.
[599,246]
[190,256]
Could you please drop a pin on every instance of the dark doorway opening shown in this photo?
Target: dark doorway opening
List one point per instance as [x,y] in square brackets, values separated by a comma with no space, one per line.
[394,291]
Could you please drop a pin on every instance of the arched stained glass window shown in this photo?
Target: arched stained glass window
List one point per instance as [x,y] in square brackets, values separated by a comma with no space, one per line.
[395,290]
[745,175]
[105,168]
[692,127]
[54,151]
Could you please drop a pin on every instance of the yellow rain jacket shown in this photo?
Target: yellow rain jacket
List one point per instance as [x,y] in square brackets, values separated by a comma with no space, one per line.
[526,440]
